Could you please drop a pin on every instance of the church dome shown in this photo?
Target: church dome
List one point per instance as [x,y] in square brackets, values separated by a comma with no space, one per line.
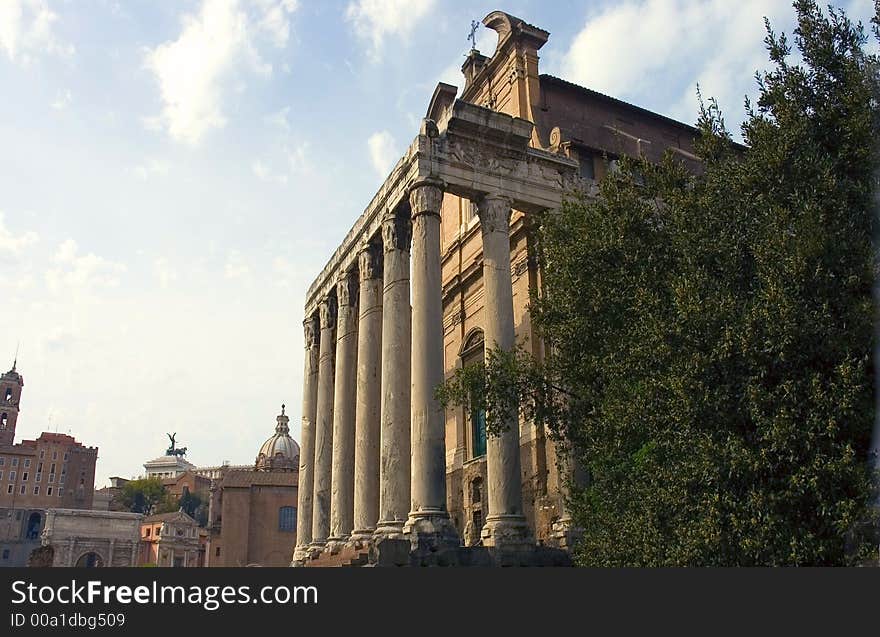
[280,452]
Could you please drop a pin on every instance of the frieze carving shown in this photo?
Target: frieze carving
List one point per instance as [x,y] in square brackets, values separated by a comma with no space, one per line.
[519,267]
[485,158]
[312,332]
[425,199]
[347,289]
[494,213]
[396,232]
[327,310]
[370,261]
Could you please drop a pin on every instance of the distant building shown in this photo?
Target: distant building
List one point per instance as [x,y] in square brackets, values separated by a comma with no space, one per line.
[252,513]
[74,537]
[53,471]
[110,498]
[172,539]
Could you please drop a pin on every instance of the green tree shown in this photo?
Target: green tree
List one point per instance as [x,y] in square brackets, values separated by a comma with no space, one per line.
[140,496]
[710,336]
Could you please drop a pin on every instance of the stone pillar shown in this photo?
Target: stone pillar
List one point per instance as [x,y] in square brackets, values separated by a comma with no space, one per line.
[110,551]
[428,524]
[324,426]
[572,474]
[306,482]
[345,397]
[369,396]
[505,525]
[394,477]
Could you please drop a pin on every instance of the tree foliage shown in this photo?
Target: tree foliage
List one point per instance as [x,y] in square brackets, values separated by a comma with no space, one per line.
[145,495]
[710,336]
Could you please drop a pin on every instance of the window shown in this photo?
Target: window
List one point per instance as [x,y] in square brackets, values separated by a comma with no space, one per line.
[27,462]
[587,168]
[2,461]
[51,477]
[477,490]
[15,462]
[287,519]
[8,393]
[5,554]
[4,419]
[217,552]
[478,519]
[22,490]
[52,468]
[9,489]
[474,352]
[147,532]
[1,475]
[42,455]
[24,476]
[62,478]
[36,490]
[54,457]
[40,466]
[65,456]
[48,490]
[12,475]
[39,477]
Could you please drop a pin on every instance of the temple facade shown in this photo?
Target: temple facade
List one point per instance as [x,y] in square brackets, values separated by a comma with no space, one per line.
[436,270]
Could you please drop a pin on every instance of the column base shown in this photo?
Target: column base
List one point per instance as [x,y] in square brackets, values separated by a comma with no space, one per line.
[565,534]
[390,530]
[431,530]
[300,555]
[335,544]
[507,532]
[361,538]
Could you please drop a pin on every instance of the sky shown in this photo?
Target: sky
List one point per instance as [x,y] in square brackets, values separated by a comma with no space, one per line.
[173,175]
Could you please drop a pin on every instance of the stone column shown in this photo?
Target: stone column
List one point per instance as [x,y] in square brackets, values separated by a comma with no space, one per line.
[345,397]
[369,396]
[505,525]
[324,426]
[110,551]
[428,524]
[394,477]
[306,482]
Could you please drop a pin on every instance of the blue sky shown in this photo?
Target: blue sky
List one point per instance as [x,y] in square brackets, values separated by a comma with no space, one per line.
[174,174]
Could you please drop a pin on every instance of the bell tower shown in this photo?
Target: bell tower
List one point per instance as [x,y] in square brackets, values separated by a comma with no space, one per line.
[11,384]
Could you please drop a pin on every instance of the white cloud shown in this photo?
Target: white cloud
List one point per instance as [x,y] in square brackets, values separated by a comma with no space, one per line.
[26,30]
[151,167]
[236,267]
[383,152]
[275,20]
[194,70]
[62,101]
[12,246]
[280,119]
[262,171]
[73,271]
[374,20]
[625,48]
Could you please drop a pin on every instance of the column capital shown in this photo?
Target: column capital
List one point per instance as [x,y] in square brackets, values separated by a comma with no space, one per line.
[347,289]
[327,310]
[494,212]
[396,232]
[370,261]
[425,198]
[312,331]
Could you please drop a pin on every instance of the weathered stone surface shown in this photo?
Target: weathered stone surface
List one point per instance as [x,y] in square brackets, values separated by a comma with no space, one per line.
[324,425]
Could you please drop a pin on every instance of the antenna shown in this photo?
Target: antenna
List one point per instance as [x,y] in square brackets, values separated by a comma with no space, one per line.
[473,34]
[15,360]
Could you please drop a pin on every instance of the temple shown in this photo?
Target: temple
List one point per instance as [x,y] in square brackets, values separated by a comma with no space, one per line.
[437,269]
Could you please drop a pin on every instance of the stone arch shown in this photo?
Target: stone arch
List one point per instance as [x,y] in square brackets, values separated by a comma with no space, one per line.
[34,525]
[90,559]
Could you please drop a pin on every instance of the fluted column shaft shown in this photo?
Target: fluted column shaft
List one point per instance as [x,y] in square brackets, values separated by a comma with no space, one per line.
[394,466]
[342,492]
[324,425]
[306,480]
[505,522]
[428,518]
[369,395]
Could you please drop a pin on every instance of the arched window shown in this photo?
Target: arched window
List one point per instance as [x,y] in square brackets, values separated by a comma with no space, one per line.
[287,519]
[474,352]
[4,419]
[8,393]
[33,526]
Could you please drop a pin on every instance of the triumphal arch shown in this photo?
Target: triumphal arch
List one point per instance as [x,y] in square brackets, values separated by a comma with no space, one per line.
[436,270]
